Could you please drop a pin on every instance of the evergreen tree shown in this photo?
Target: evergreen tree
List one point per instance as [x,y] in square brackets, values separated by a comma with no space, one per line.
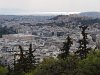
[66,48]
[31,58]
[83,50]
[21,63]
[26,62]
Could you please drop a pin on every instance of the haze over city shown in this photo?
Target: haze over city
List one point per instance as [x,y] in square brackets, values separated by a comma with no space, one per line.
[54,6]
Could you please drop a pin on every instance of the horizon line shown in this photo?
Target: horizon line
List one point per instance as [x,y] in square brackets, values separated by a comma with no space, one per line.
[40,13]
[37,13]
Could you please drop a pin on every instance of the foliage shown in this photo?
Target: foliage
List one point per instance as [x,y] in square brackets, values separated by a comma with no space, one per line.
[70,66]
[31,58]
[20,66]
[90,65]
[51,66]
[26,62]
[6,30]
[66,48]
[3,70]
[83,50]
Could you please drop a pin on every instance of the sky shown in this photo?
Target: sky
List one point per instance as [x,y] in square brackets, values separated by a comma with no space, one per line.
[49,5]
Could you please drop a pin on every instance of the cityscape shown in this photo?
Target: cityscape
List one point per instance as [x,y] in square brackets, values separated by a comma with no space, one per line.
[49,37]
[45,33]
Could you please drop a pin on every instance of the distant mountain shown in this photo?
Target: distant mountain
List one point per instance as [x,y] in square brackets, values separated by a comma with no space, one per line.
[90,14]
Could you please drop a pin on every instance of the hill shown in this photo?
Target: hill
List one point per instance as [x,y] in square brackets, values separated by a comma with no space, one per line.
[91,14]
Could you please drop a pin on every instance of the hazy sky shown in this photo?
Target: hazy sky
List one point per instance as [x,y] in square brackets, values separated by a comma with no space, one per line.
[52,5]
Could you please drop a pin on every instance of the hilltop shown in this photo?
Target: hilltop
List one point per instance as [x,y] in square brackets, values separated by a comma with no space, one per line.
[91,14]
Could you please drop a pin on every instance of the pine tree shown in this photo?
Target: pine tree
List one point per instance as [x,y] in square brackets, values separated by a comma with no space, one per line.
[83,50]
[21,63]
[66,47]
[26,61]
[31,58]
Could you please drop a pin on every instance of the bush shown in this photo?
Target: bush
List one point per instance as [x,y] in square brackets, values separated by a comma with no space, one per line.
[90,65]
[51,66]
[71,66]
[3,71]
